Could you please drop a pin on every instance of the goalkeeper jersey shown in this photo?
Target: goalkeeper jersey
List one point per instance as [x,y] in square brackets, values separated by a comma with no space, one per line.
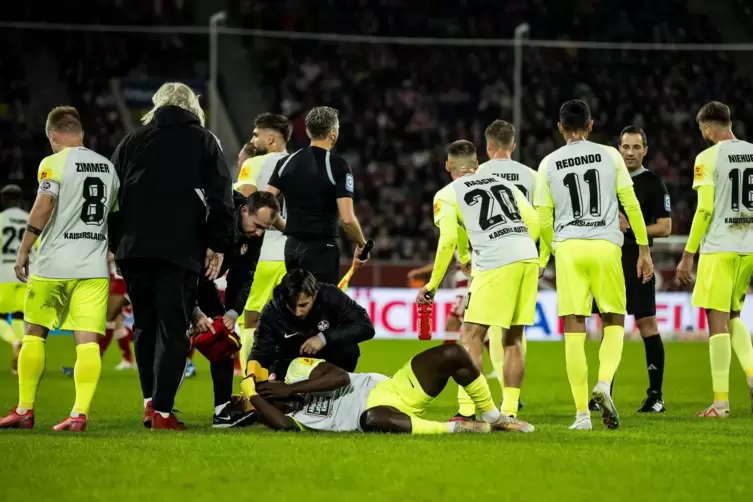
[337,410]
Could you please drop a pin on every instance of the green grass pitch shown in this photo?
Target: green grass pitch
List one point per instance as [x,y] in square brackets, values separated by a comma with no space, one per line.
[674,456]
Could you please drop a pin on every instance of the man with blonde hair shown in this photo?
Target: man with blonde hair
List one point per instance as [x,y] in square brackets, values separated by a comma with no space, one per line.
[69,281]
[176,221]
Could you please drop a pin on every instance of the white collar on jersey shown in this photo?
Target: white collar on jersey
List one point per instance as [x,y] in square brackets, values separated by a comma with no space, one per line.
[638,171]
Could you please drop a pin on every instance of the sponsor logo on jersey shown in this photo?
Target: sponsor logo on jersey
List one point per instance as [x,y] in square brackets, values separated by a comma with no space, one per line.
[323,325]
[437,208]
[244,249]
[92,167]
[504,231]
[245,171]
[318,405]
[667,203]
[349,185]
[698,172]
[85,235]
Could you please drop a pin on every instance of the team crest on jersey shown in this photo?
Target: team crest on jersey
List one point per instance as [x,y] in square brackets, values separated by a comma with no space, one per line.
[437,208]
[244,249]
[349,185]
[667,204]
[698,172]
[45,174]
[323,325]
[244,173]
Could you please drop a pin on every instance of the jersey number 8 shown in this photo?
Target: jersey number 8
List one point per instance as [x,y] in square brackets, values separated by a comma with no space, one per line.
[93,210]
[503,196]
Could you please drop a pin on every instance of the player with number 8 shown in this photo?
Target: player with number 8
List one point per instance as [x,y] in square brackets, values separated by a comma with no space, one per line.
[577,198]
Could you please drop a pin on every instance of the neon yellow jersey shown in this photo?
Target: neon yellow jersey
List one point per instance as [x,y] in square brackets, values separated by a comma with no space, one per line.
[249,171]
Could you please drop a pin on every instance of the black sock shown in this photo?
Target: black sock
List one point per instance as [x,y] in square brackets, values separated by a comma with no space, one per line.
[654,362]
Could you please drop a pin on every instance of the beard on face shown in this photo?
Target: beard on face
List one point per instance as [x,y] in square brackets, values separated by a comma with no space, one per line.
[262,150]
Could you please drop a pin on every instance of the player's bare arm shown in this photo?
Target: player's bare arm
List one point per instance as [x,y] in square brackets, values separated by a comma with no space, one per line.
[420,272]
[349,221]
[662,228]
[325,377]
[39,216]
[269,414]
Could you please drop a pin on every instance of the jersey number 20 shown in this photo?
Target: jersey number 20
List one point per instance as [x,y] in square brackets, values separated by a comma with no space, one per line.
[503,196]
[93,210]
[572,182]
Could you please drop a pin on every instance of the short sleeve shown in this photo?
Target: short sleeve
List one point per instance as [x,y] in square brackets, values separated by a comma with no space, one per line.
[705,167]
[250,171]
[300,369]
[542,196]
[623,175]
[343,177]
[444,204]
[661,201]
[50,176]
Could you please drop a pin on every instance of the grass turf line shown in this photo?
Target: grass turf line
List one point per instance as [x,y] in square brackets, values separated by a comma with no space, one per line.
[676,455]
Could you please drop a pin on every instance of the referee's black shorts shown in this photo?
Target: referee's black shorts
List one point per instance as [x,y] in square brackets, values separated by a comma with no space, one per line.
[641,298]
[320,257]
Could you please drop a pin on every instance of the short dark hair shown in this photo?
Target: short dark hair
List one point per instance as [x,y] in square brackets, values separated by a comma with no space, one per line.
[501,132]
[575,115]
[262,199]
[278,123]
[10,196]
[294,283]
[461,148]
[249,149]
[63,119]
[633,129]
[320,121]
[715,111]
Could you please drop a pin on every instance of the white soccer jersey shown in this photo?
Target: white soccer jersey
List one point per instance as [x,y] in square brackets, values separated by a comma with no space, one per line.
[520,175]
[73,245]
[581,181]
[728,166]
[12,227]
[273,245]
[338,410]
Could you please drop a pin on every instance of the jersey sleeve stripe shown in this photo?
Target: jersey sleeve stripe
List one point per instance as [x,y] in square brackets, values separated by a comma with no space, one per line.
[328,166]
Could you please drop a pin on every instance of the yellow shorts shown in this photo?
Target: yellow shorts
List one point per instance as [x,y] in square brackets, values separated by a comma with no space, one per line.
[12,297]
[71,304]
[268,274]
[585,269]
[504,296]
[401,391]
[722,281]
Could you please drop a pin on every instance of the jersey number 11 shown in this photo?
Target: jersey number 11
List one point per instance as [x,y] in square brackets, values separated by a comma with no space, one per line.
[572,182]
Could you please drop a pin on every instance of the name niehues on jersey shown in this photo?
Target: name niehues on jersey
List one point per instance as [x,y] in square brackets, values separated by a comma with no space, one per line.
[89,167]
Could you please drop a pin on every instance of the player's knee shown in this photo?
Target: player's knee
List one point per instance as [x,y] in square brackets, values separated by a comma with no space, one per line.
[647,326]
[453,352]
[371,421]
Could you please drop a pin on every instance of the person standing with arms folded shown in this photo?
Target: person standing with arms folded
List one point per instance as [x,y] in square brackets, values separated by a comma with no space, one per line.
[318,188]
[175,223]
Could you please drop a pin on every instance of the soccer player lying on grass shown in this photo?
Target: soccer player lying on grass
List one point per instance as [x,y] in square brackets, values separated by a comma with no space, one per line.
[317,395]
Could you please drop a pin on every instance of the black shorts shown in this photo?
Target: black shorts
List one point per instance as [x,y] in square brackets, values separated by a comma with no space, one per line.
[641,298]
[320,257]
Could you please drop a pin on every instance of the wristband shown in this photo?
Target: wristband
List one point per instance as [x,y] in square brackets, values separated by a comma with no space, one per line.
[33,230]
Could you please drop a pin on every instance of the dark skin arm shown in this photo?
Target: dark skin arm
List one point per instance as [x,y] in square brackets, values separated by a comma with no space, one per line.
[323,378]
[272,417]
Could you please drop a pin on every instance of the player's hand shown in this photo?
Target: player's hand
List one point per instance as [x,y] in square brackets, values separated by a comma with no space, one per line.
[624,224]
[213,264]
[202,323]
[312,346]
[22,265]
[274,390]
[424,297]
[645,265]
[357,262]
[685,268]
[229,322]
[466,268]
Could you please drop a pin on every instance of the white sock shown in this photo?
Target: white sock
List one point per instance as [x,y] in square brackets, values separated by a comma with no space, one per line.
[21,411]
[147,402]
[163,414]
[74,414]
[491,416]
[218,409]
[721,405]
[451,426]
[604,387]
[583,414]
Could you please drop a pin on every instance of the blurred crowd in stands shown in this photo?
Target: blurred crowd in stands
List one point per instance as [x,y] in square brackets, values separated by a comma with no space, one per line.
[401,104]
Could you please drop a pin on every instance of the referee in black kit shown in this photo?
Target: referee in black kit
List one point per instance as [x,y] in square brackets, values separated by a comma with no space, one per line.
[175,222]
[318,190]
[641,298]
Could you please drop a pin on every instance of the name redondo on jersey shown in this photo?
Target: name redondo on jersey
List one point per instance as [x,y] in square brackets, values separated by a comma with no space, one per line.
[91,167]
[85,235]
[580,160]
[744,158]
[484,181]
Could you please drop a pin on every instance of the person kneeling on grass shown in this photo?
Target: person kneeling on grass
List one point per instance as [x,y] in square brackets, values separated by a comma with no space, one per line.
[317,395]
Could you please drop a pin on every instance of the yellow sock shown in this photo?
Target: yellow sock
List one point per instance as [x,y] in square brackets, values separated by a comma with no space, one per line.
[465,403]
[86,375]
[419,426]
[18,328]
[510,397]
[247,341]
[31,363]
[481,396]
[577,369]
[497,354]
[6,332]
[720,356]
[610,352]
[742,345]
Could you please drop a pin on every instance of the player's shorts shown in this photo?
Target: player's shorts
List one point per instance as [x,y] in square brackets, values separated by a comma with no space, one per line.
[268,274]
[722,280]
[117,286]
[460,288]
[640,297]
[71,304]
[587,269]
[504,296]
[12,297]
[401,391]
